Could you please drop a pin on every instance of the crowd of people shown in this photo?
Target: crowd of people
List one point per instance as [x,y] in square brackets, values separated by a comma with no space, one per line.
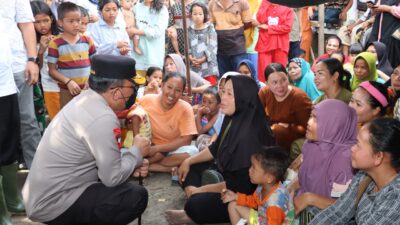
[252,127]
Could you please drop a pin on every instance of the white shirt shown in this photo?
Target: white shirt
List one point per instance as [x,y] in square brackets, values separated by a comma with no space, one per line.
[14,12]
[7,84]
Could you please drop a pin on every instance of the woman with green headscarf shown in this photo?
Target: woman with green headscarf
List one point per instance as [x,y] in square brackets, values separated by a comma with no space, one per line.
[364,70]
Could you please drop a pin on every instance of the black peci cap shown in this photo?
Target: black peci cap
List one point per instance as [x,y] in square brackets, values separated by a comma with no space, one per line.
[113,67]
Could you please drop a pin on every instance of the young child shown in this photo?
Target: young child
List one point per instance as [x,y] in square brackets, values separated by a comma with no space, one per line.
[138,122]
[69,53]
[203,44]
[84,20]
[129,18]
[354,50]
[154,80]
[270,202]
[207,115]
[275,24]
[46,28]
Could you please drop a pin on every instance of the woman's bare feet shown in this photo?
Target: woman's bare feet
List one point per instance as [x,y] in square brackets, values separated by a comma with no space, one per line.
[176,217]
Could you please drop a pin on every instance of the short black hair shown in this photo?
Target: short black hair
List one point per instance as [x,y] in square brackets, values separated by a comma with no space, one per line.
[170,75]
[340,53]
[84,12]
[384,136]
[272,68]
[65,8]
[203,7]
[213,90]
[152,69]
[274,160]
[355,48]
[102,3]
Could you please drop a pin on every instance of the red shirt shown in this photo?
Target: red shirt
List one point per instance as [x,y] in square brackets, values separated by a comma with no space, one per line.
[279,20]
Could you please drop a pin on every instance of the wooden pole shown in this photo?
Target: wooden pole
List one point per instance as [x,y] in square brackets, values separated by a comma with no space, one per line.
[186,46]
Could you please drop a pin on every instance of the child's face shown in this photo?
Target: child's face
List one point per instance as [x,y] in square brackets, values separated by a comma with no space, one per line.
[210,104]
[84,23]
[256,172]
[71,22]
[338,57]
[43,24]
[352,57]
[244,70]
[110,12]
[197,15]
[156,76]
[372,50]
[169,65]
[361,69]
[127,4]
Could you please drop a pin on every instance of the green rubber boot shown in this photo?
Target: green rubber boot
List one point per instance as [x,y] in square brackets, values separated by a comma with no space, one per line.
[13,200]
[5,218]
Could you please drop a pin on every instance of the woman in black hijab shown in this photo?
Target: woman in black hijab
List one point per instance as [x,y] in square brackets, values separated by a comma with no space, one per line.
[245,130]
[381,52]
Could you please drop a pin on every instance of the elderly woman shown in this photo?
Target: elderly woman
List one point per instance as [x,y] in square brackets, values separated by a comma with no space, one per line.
[373,197]
[288,107]
[302,77]
[172,123]
[332,80]
[245,129]
[326,166]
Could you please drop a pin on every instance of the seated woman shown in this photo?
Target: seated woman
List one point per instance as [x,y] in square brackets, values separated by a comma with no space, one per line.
[246,67]
[373,197]
[332,80]
[301,76]
[172,124]
[364,70]
[370,101]
[174,63]
[287,107]
[333,44]
[109,35]
[326,166]
[245,130]
[384,69]
[394,88]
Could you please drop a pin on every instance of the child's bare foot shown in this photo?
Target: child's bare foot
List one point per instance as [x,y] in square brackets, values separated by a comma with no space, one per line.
[177,217]
[137,50]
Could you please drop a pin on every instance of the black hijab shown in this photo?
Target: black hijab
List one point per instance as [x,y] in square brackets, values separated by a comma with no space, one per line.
[249,129]
[383,61]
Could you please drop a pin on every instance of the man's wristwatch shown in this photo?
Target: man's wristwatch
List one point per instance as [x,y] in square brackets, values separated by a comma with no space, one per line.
[33,59]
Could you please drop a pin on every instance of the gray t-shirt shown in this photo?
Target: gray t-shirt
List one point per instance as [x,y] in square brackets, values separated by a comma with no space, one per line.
[78,149]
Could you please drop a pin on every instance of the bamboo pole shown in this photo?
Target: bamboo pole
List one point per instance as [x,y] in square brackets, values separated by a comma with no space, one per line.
[186,48]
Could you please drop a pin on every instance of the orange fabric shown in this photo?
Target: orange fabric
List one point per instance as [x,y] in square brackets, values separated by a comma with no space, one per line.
[52,103]
[295,110]
[168,125]
[275,215]
[306,33]
[229,18]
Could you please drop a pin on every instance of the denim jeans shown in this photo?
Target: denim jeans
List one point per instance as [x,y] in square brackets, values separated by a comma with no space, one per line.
[227,63]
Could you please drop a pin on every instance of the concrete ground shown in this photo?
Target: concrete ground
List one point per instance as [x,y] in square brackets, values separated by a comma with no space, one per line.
[162,196]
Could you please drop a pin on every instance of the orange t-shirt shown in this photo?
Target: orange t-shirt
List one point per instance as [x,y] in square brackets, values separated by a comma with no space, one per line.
[168,125]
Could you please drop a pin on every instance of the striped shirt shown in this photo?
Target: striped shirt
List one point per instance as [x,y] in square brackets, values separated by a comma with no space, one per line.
[73,60]
[374,208]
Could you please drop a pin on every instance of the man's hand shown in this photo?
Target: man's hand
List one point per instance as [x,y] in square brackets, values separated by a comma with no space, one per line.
[143,144]
[31,73]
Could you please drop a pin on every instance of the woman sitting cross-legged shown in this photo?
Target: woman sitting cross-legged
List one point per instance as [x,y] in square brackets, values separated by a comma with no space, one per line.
[245,129]
[172,124]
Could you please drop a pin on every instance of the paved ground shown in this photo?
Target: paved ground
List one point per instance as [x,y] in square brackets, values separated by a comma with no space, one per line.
[162,196]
